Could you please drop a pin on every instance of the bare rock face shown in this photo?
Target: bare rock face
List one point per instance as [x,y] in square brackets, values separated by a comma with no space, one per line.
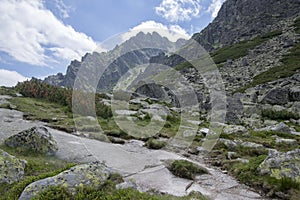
[36,139]
[11,168]
[242,19]
[91,175]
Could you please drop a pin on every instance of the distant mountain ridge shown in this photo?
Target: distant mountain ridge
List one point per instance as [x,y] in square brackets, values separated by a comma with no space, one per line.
[125,60]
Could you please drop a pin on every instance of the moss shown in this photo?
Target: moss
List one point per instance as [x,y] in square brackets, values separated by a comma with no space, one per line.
[186,169]
[155,144]
[279,115]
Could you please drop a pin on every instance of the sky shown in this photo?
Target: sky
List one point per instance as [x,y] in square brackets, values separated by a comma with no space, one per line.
[41,37]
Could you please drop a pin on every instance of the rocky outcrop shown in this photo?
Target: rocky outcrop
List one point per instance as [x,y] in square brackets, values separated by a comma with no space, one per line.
[36,139]
[280,165]
[11,168]
[242,19]
[92,175]
[277,96]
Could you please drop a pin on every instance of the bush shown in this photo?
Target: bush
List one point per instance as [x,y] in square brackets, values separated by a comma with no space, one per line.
[186,169]
[279,115]
[155,144]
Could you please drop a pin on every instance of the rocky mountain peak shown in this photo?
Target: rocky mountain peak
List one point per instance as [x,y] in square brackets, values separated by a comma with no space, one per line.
[243,19]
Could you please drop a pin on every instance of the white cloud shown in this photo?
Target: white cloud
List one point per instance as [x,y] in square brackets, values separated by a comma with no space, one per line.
[214,7]
[10,78]
[172,32]
[31,33]
[62,8]
[178,10]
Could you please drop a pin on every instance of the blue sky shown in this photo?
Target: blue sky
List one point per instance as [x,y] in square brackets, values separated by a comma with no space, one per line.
[41,37]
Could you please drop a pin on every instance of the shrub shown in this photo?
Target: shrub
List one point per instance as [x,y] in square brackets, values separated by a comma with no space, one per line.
[186,169]
[155,144]
[279,115]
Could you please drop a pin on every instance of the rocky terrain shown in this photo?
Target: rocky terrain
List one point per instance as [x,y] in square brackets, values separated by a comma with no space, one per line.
[245,106]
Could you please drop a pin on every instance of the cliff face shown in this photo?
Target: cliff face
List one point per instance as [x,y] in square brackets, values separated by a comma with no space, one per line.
[243,19]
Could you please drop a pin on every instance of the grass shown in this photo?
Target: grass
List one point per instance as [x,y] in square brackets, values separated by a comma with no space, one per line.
[37,109]
[7,91]
[108,192]
[186,169]
[240,49]
[279,115]
[38,167]
[291,64]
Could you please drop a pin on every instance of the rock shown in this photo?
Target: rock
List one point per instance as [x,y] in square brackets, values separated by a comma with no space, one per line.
[251,145]
[36,139]
[294,94]
[92,175]
[234,129]
[280,165]
[231,155]
[291,142]
[11,168]
[281,127]
[228,143]
[277,96]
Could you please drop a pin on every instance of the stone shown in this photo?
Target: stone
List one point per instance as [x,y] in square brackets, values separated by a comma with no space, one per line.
[92,175]
[251,145]
[228,143]
[281,127]
[294,94]
[280,165]
[11,168]
[291,142]
[277,96]
[234,129]
[37,139]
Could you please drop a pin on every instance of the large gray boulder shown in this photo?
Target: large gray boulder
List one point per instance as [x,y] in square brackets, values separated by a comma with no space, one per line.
[37,139]
[277,96]
[295,94]
[92,175]
[11,168]
[280,165]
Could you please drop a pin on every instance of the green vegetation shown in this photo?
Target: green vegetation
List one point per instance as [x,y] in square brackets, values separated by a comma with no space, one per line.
[108,192]
[38,167]
[155,144]
[291,64]
[186,169]
[240,49]
[279,115]
[234,51]
[7,91]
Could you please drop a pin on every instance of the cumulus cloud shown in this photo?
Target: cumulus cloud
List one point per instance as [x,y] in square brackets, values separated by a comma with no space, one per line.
[214,7]
[10,78]
[31,33]
[62,8]
[178,10]
[172,32]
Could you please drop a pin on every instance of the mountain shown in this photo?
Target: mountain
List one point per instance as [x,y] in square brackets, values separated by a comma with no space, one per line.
[243,19]
[122,60]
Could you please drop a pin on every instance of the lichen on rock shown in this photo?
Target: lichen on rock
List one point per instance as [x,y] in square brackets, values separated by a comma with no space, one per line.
[37,139]
[92,175]
[11,168]
[282,165]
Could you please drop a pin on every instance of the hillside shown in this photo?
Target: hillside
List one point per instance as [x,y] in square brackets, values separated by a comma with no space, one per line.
[218,122]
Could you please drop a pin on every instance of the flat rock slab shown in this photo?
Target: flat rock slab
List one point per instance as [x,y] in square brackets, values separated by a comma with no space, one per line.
[132,160]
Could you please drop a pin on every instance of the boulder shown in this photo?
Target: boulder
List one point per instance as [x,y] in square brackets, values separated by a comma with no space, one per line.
[92,175]
[11,168]
[36,139]
[280,165]
[281,127]
[251,145]
[295,94]
[228,143]
[276,96]
[234,129]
